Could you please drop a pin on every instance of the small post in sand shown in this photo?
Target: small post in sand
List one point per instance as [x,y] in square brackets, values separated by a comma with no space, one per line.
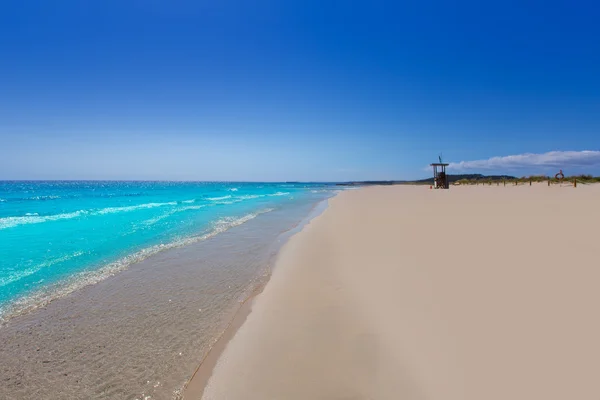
[574,182]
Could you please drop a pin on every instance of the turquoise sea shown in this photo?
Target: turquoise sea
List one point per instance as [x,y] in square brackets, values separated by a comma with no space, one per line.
[56,237]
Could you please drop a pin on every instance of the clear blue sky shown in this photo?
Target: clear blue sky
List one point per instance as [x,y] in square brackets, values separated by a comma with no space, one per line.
[296,90]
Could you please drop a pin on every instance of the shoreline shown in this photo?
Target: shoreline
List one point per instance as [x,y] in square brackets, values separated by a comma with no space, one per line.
[194,387]
[164,313]
[196,384]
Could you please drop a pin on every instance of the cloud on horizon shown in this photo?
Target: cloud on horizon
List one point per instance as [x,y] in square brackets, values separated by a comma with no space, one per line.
[552,159]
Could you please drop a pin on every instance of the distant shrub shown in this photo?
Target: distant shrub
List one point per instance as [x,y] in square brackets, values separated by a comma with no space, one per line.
[538,178]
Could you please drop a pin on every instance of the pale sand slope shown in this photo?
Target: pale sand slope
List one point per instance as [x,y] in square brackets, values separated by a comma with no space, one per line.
[360,307]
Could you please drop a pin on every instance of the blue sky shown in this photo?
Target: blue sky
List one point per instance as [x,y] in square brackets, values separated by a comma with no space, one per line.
[296,90]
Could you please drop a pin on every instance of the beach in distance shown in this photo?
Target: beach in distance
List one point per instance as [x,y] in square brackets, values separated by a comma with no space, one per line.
[404,292]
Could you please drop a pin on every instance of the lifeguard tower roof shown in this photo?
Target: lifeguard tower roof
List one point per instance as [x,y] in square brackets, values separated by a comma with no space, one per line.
[439,164]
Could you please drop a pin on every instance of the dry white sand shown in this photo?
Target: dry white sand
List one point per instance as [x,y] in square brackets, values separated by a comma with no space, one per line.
[409,293]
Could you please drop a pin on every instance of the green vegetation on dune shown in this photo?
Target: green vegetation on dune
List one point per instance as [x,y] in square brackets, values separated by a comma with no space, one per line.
[476,179]
[583,179]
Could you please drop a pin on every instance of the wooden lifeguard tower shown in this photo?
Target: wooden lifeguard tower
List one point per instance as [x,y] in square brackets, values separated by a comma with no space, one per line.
[440,180]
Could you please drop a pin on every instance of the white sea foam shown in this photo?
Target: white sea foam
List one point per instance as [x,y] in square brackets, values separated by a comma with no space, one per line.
[83,279]
[9,222]
[226,223]
[154,220]
[233,201]
[233,189]
[18,275]
[250,196]
[191,208]
[218,198]
[112,210]
[188,201]
[237,199]
[33,218]
[50,197]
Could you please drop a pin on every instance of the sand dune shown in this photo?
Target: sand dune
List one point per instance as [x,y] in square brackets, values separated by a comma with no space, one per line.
[409,293]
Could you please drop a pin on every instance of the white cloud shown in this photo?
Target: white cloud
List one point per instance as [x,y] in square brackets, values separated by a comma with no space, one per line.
[552,159]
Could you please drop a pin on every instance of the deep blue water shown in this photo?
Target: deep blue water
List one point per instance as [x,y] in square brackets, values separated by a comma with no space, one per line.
[57,235]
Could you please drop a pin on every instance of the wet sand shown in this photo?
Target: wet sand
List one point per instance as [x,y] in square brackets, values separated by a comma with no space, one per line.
[197,383]
[405,292]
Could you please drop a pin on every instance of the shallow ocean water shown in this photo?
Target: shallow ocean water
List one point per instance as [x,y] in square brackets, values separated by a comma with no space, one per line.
[58,236]
[138,330]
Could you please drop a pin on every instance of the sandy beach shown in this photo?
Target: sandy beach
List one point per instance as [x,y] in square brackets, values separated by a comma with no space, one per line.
[408,293]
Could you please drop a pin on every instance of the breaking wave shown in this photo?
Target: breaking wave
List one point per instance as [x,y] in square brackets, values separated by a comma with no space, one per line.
[154,220]
[9,222]
[87,278]
[18,275]
[33,218]
[218,198]
[250,196]
[112,210]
